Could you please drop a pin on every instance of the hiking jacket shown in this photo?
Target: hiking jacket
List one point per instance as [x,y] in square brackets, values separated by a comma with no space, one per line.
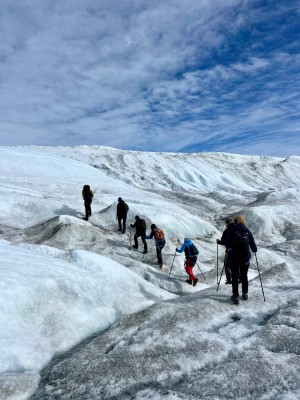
[185,247]
[88,196]
[229,244]
[122,209]
[159,242]
[226,234]
[139,227]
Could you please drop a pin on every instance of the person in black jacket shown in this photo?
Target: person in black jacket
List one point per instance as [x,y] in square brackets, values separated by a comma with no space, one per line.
[229,226]
[239,242]
[87,195]
[140,231]
[122,210]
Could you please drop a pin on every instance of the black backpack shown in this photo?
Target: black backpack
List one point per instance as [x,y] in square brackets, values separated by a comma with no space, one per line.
[123,208]
[240,242]
[193,251]
[142,224]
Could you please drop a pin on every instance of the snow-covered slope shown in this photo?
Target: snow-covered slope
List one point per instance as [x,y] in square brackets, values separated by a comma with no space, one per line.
[64,279]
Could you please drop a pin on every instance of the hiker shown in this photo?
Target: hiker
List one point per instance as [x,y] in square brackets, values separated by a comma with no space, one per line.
[140,231]
[122,210]
[238,242]
[160,242]
[191,252]
[229,226]
[87,195]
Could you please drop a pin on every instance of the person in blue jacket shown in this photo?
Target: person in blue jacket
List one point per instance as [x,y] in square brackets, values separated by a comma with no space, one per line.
[238,243]
[160,242]
[190,259]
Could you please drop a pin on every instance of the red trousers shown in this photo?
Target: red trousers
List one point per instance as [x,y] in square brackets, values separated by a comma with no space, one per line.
[189,270]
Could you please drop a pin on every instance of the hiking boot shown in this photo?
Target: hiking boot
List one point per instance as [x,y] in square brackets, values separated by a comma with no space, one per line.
[195,282]
[135,247]
[160,266]
[189,281]
[245,296]
[228,283]
[145,252]
[119,230]
[235,299]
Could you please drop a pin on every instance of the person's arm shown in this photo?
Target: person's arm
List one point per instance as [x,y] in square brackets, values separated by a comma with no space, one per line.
[227,239]
[223,238]
[181,249]
[150,236]
[252,243]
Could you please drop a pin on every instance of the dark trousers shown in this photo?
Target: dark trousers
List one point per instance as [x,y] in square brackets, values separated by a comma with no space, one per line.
[159,255]
[120,221]
[88,210]
[142,236]
[227,269]
[239,270]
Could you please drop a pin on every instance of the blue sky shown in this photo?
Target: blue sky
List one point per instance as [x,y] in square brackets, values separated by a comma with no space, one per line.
[172,75]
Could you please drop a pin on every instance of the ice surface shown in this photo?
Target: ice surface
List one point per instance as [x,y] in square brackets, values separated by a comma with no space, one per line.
[64,279]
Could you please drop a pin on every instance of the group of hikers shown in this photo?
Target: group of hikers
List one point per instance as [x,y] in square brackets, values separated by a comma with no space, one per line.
[237,239]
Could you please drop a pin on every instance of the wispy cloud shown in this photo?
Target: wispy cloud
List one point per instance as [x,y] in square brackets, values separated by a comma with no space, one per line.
[155,76]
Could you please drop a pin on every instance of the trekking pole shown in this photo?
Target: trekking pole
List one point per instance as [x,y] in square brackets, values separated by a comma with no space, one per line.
[262,289]
[172,265]
[221,276]
[202,273]
[130,235]
[217,263]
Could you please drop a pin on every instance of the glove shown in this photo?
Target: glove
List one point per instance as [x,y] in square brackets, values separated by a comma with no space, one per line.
[218,241]
[176,249]
[131,225]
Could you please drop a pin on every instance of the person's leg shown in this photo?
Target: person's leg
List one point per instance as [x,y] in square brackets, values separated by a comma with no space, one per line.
[86,206]
[244,276]
[227,270]
[235,278]
[136,245]
[119,222]
[143,237]
[124,224]
[189,270]
[159,256]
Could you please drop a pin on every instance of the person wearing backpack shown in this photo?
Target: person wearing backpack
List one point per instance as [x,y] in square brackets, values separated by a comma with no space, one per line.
[159,237]
[239,242]
[140,231]
[122,210]
[87,195]
[191,253]
[229,226]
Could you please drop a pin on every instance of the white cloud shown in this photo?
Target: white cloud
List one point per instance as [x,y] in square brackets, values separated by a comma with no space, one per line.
[90,73]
